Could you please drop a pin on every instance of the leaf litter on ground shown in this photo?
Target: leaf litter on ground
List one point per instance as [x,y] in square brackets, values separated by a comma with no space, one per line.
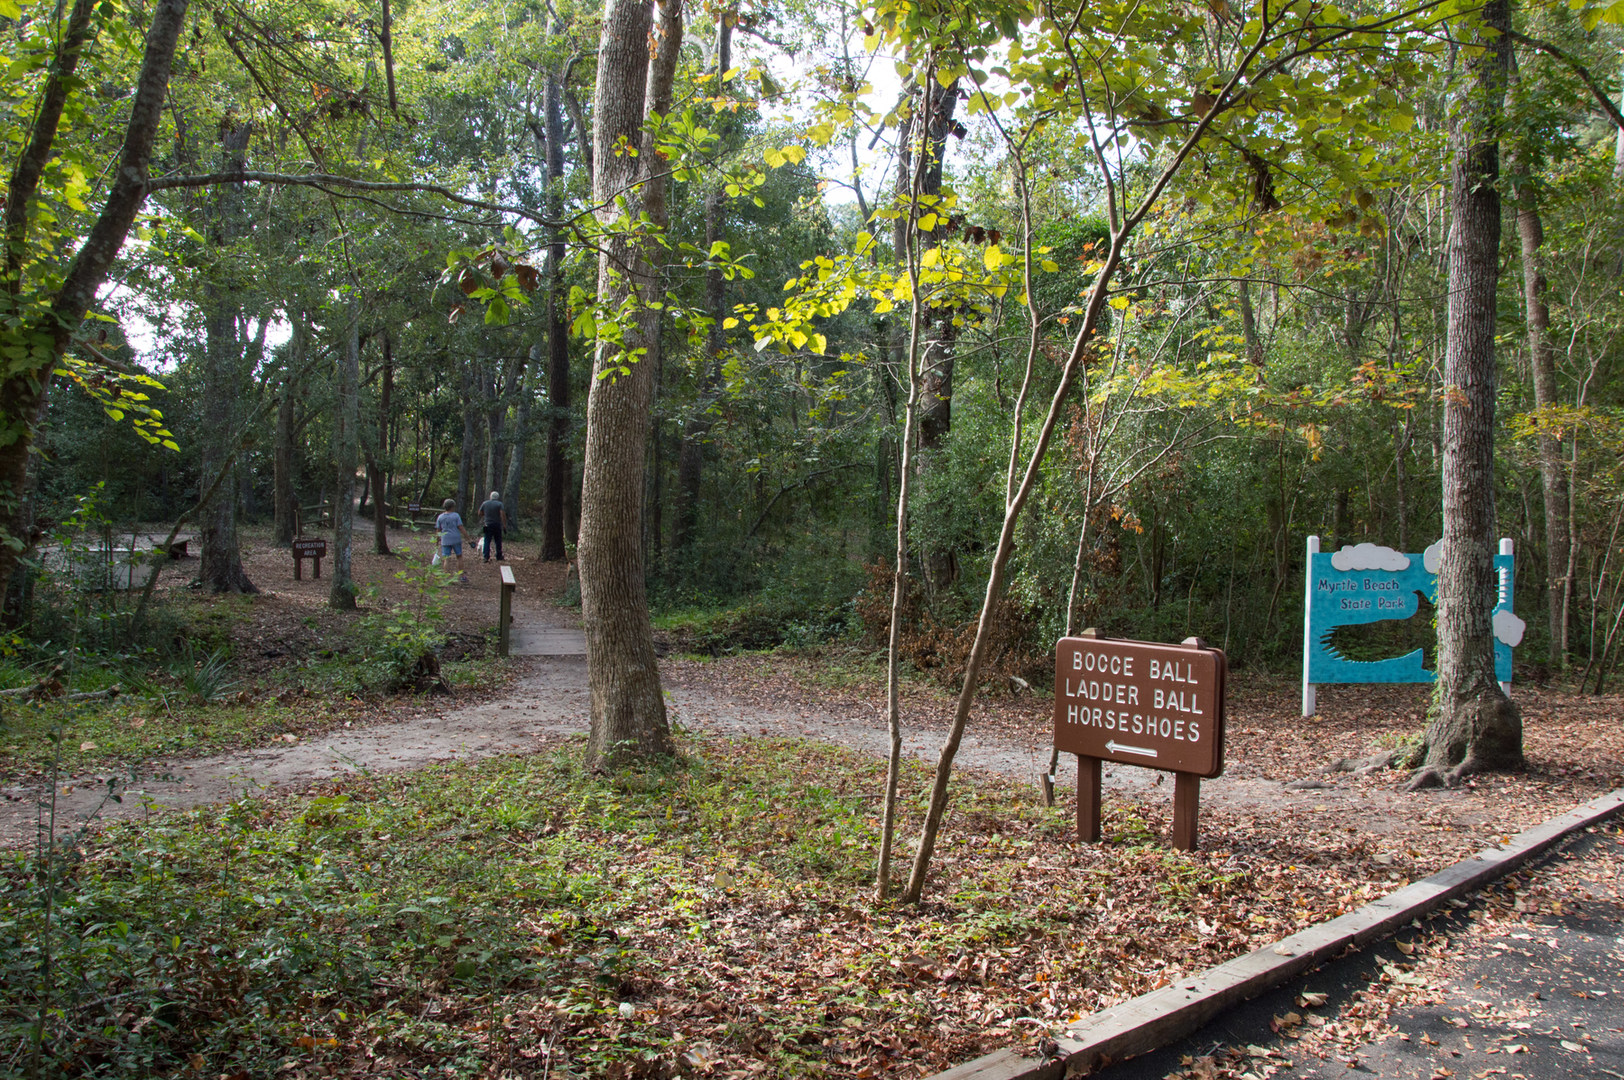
[485,920]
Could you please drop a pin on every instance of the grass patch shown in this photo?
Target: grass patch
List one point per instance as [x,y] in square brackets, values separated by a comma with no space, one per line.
[709,915]
[130,729]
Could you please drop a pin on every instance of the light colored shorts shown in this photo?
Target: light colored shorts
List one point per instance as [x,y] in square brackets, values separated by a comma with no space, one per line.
[451,549]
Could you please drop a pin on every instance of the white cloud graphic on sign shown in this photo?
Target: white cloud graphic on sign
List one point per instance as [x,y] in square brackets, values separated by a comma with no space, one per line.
[1433,557]
[1369,557]
[1508,628]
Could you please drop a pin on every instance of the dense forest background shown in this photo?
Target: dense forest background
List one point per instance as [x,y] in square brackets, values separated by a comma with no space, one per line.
[1270,366]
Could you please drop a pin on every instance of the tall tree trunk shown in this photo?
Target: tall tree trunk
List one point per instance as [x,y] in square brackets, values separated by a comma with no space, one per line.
[636,67]
[223,375]
[1401,479]
[1475,725]
[346,456]
[1552,473]
[470,438]
[899,596]
[284,503]
[520,439]
[502,388]
[378,452]
[940,347]
[691,455]
[558,481]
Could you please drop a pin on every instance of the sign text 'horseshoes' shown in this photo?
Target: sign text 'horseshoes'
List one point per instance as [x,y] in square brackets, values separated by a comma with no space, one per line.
[1139,703]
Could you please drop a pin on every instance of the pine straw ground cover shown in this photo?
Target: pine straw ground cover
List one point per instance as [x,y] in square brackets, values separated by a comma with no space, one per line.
[522,918]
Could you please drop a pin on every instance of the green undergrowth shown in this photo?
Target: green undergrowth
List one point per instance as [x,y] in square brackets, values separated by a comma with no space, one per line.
[437,921]
[192,706]
[764,622]
[131,729]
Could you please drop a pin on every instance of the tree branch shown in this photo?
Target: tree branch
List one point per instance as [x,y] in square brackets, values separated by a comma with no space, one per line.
[325,181]
[31,165]
[1571,62]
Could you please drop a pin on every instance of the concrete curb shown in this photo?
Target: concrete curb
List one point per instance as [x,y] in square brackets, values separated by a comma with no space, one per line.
[1153,1020]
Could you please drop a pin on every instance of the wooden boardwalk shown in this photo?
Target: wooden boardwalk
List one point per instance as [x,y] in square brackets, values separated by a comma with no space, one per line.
[535,640]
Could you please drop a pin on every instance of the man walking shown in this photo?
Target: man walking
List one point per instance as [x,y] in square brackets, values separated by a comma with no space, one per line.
[495,515]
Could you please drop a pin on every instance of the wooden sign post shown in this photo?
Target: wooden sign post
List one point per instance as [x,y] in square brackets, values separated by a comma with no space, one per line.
[308,549]
[1138,703]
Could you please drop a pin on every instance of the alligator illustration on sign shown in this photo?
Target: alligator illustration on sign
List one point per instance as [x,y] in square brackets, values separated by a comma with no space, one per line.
[1366,584]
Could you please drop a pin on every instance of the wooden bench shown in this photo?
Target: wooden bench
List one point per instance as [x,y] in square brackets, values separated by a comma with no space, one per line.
[504,620]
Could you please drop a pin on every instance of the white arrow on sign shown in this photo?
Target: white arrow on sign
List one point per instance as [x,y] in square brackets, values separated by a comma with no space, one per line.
[1117,748]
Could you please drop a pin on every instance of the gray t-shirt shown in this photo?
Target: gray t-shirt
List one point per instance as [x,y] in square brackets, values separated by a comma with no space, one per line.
[450,526]
[492,509]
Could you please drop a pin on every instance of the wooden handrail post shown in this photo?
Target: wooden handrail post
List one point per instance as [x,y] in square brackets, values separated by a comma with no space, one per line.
[504,619]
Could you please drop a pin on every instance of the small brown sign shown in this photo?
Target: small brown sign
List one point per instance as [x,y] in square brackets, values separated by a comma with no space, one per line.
[1137,703]
[315,550]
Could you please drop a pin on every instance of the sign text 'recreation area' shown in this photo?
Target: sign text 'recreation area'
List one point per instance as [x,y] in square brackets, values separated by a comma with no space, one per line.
[1157,706]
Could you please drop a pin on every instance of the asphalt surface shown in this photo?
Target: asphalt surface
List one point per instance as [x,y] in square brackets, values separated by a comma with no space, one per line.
[1523,981]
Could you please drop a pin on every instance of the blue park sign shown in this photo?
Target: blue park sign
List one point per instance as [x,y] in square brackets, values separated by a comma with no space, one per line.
[1367,583]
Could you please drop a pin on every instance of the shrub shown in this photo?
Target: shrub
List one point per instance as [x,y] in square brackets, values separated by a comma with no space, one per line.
[404,638]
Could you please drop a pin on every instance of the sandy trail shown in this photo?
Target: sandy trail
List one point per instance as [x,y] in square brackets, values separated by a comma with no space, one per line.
[549,703]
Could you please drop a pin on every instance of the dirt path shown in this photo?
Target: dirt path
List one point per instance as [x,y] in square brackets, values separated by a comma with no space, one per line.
[1380,811]
[548,703]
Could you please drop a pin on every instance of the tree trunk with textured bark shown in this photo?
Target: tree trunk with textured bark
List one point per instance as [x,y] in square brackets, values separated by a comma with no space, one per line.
[378,452]
[223,377]
[939,348]
[1553,473]
[636,67]
[558,480]
[520,438]
[470,437]
[1474,726]
[691,454]
[346,456]
[502,388]
[285,504]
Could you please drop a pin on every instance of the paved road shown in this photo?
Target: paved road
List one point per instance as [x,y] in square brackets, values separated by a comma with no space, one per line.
[1522,982]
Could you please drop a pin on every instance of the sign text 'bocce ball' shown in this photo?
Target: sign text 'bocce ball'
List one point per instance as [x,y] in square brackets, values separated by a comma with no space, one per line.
[1158,706]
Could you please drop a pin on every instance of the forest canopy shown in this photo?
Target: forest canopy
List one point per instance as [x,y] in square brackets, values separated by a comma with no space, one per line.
[273,254]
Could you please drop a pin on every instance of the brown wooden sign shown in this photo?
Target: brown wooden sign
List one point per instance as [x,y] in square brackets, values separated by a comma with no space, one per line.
[308,549]
[1133,702]
[1139,703]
